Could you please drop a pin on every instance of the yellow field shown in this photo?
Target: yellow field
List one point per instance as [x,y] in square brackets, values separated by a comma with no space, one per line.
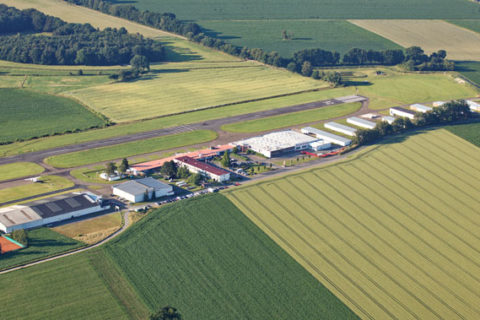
[394,232]
[431,35]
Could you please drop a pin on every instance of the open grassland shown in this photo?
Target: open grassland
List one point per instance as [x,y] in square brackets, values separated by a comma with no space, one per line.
[123,150]
[41,243]
[27,114]
[19,170]
[294,118]
[394,233]
[431,35]
[335,35]
[469,132]
[83,286]
[469,69]
[209,261]
[92,230]
[47,184]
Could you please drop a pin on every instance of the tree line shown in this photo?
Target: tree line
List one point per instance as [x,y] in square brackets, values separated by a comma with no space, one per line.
[69,43]
[448,113]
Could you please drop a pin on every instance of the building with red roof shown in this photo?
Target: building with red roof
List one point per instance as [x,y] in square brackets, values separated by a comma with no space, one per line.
[203,168]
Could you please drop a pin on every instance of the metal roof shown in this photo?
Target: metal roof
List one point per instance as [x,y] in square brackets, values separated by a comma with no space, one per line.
[326,135]
[278,140]
[361,122]
[403,110]
[202,166]
[139,186]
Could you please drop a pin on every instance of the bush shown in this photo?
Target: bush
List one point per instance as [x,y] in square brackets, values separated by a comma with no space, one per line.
[20,236]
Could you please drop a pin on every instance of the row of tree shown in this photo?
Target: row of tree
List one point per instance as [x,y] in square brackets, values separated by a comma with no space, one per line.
[71,44]
[13,20]
[447,113]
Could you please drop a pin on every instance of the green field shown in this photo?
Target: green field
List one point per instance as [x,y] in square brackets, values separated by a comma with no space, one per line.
[42,243]
[469,69]
[19,170]
[469,132]
[334,35]
[392,232]
[209,261]
[123,150]
[293,119]
[48,184]
[27,114]
[473,25]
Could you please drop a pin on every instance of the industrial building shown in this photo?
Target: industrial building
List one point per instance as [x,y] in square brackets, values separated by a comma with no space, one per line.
[142,190]
[327,136]
[402,112]
[420,108]
[276,143]
[349,131]
[49,210]
[203,168]
[361,123]
[320,145]
[474,106]
[388,119]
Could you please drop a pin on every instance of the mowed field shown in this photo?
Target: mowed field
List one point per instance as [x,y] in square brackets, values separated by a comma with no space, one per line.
[394,232]
[19,170]
[431,35]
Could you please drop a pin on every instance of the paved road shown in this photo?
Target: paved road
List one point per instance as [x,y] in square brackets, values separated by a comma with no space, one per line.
[110,237]
[210,125]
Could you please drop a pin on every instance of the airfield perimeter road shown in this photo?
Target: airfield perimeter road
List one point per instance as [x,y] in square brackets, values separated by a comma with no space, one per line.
[214,125]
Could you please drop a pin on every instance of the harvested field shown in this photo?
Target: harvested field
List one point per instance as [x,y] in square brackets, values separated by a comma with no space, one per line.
[393,232]
[431,35]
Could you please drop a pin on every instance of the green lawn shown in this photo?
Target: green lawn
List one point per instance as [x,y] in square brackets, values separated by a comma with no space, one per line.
[47,184]
[469,132]
[209,261]
[293,119]
[19,170]
[334,35]
[129,149]
[27,114]
[42,242]
[469,69]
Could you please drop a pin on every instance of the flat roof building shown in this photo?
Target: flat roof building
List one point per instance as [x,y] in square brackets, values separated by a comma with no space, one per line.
[420,108]
[49,210]
[349,131]
[204,169]
[361,123]
[142,190]
[402,112]
[388,119]
[327,136]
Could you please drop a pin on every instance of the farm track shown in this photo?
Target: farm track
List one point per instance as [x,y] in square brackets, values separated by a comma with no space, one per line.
[394,234]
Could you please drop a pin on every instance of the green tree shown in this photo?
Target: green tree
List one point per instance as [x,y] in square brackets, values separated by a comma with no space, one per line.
[140,63]
[226,160]
[183,172]
[169,169]
[20,235]
[167,313]
[124,165]
[195,179]
[307,69]
[110,168]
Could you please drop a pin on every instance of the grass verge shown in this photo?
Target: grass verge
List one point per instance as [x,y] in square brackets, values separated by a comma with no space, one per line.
[19,170]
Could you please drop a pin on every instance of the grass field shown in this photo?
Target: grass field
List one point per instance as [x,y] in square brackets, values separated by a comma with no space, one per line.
[393,232]
[431,35]
[19,170]
[293,119]
[27,114]
[469,132]
[123,150]
[42,242]
[226,267]
[469,69]
[335,35]
[473,25]
[48,184]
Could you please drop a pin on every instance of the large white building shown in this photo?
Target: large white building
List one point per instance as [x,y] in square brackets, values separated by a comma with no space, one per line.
[49,210]
[349,131]
[277,143]
[142,190]
[402,112]
[420,108]
[203,168]
[327,136]
[361,123]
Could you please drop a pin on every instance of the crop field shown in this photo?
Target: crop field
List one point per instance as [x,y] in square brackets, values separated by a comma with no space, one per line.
[19,170]
[292,119]
[473,25]
[27,114]
[335,35]
[48,184]
[469,69]
[42,243]
[123,150]
[431,35]
[393,232]
[234,272]
[469,132]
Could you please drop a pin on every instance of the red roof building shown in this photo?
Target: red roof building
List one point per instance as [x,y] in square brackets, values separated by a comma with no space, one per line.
[203,168]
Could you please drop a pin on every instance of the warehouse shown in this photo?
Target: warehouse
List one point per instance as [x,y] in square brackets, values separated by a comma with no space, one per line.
[320,145]
[49,210]
[388,119]
[277,143]
[474,106]
[420,108]
[203,168]
[361,123]
[327,136]
[402,112]
[349,131]
[142,190]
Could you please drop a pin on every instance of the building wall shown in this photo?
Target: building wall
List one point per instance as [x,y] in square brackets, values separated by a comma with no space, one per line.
[127,196]
[164,192]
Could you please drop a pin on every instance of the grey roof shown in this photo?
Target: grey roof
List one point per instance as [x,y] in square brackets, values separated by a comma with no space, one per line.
[139,186]
[362,122]
[153,183]
[326,135]
[403,110]
[55,206]
[338,126]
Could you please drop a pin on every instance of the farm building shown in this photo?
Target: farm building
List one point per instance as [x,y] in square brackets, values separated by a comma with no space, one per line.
[349,131]
[474,106]
[327,136]
[402,112]
[420,108]
[388,119]
[203,168]
[438,103]
[49,210]
[142,190]
[361,123]
[277,143]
